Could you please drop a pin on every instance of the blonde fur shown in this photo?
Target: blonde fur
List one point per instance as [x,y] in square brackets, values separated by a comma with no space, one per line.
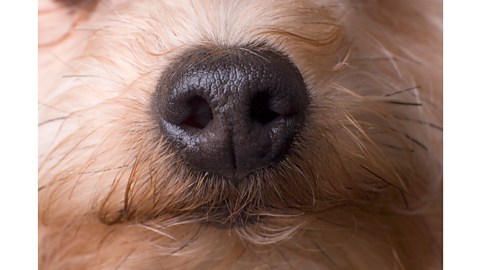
[361,188]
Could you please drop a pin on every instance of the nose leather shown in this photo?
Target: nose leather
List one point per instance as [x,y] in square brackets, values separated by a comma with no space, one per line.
[231,111]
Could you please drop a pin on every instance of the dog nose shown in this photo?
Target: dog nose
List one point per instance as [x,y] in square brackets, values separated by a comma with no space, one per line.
[231,111]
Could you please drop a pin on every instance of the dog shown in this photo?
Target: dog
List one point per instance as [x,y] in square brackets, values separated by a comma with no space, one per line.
[240,134]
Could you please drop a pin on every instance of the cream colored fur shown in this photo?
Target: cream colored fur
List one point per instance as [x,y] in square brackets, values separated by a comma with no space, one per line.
[362,188]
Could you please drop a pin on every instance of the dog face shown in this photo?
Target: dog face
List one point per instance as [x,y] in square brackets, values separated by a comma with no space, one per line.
[240,134]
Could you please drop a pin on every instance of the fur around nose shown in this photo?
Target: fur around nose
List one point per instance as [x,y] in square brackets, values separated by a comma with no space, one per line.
[231,111]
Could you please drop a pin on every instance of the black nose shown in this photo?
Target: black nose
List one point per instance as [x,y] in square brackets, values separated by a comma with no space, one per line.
[231,111]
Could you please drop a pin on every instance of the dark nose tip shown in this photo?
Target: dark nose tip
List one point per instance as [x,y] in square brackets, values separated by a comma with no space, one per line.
[231,111]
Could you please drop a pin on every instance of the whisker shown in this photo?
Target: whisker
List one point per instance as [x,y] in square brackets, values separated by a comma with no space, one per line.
[52,120]
[405,103]
[417,142]
[124,259]
[51,107]
[403,192]
[420,122]
[401,91]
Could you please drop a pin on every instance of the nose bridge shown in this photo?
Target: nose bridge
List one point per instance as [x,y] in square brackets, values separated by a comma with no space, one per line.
[231,101]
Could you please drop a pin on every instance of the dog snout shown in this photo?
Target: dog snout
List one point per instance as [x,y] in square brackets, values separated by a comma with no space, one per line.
[231,111]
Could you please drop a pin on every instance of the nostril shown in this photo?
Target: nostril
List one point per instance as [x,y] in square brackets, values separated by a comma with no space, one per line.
[200,114]
[260,110]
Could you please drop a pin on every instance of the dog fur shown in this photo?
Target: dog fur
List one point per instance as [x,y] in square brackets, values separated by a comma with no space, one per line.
[361,187]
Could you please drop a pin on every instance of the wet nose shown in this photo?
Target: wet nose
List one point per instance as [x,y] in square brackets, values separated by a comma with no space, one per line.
[231,111]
